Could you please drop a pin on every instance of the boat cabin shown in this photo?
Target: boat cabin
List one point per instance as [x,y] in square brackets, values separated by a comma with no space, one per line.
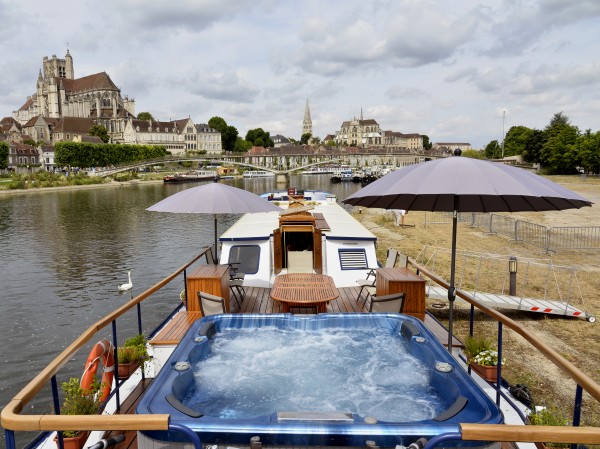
[312,234]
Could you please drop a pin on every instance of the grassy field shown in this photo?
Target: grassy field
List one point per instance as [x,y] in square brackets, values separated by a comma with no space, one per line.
[575,339]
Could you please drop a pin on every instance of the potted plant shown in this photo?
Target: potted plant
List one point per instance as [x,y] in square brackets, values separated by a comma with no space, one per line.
[482,357]
[78,401]
[132,355]
[548,416]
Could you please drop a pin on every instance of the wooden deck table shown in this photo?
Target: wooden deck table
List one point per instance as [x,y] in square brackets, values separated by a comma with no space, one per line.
[304,290]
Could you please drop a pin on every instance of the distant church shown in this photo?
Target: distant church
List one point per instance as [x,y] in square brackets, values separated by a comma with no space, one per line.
[307,122]
[59,95]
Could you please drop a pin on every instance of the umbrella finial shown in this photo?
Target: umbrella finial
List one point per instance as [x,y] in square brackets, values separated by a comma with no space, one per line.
[457,152]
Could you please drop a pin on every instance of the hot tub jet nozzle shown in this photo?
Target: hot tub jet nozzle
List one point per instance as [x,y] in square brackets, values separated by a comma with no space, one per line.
[419,444]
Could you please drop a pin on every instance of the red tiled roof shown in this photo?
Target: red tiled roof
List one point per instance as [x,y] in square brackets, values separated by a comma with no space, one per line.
[28,103]
[98,81]
[79,125]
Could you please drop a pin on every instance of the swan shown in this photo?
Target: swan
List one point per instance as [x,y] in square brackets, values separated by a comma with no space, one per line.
[125,287]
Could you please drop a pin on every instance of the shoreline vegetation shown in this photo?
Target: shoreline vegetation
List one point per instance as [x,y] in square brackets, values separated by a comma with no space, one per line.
[43,181]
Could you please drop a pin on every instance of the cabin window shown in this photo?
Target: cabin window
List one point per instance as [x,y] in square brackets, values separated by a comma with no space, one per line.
[353,259]
[248,257]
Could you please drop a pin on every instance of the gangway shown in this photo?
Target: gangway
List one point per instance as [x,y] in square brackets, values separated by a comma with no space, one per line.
[490,269]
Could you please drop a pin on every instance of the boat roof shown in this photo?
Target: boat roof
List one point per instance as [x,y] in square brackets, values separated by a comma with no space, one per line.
[260,226]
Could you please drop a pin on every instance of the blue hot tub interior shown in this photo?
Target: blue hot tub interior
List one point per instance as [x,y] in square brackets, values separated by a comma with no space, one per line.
[459,399]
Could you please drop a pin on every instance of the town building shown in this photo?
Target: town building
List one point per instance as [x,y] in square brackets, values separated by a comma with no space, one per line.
[178,136]
[59,95]
[64,108]
[279,140]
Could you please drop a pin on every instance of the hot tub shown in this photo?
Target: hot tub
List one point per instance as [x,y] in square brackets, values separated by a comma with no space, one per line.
[421,376]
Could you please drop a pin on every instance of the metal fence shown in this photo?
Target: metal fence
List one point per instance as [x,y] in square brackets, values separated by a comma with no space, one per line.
[550,239]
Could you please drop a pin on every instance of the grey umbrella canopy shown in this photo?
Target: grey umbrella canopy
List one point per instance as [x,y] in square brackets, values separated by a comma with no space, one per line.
[460,184]
[214,198]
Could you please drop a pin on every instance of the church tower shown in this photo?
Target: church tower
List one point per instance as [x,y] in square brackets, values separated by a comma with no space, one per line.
[307,122]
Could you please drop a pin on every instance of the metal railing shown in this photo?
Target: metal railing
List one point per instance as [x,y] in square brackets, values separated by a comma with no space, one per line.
[550,239]
[518,433]
[13,420]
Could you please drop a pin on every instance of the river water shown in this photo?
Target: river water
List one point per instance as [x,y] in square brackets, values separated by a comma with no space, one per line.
[65,252]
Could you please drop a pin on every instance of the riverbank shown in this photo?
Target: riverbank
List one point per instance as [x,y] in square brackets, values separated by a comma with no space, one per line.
[79,187]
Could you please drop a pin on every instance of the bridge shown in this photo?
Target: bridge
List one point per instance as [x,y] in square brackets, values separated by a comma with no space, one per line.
[280,163]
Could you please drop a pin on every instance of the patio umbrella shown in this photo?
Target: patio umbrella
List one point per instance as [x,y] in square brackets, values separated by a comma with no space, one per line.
[460,184]
[214,198]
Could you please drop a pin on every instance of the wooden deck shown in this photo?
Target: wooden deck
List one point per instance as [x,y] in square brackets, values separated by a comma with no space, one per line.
[257,300]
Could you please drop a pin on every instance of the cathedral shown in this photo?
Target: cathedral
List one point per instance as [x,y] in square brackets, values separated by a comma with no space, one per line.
[60,95]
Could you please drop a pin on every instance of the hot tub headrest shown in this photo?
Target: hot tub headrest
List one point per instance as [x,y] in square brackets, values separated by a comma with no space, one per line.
[176,404]
[409,330]
[454,409]
[208,329]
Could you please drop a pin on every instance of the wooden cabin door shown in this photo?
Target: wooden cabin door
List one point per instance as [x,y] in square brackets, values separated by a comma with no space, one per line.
[317,251]
[277,251]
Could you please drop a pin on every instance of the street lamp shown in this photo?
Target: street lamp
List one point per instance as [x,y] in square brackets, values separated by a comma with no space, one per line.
[512,270]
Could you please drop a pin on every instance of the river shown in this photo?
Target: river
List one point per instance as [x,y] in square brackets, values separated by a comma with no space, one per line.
[65,252]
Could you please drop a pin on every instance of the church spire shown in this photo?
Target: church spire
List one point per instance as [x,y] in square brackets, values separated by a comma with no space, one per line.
[307,122]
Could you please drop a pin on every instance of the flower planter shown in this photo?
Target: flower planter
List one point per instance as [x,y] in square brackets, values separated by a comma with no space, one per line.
[489,373]
[127,369]
[73,442]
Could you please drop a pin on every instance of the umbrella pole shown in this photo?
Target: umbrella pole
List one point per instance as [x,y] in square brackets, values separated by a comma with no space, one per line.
[451,295]
[216,255]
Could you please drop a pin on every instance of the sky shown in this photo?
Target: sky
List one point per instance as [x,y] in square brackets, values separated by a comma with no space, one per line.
[456,71]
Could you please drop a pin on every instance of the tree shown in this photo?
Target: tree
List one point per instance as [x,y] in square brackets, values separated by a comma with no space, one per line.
[559,149]
[492,150]
[3,155]
[305,138]
[100,131]
[145,116]
[533,146]
[241,145]
[589,147]
[229,134]
[515,140]
[260,138]
[218,123]
[426,142]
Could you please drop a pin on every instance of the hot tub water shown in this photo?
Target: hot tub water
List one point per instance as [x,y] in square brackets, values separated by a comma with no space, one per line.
[365,371]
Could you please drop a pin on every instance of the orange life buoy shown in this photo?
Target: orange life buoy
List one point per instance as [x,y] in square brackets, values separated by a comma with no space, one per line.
[102,350]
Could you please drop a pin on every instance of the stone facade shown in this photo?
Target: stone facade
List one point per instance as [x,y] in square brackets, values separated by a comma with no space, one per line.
[65,108]
[360,132]
[178,136]
[60,95]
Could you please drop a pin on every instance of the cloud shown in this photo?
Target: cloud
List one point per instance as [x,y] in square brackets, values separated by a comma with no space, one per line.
[405,93]
[222,86]
[403,34]
[189,15]
[546,77]
[526,22]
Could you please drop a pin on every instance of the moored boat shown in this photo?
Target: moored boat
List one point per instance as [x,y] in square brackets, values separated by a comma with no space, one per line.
[258,174]
[191,176]
[466,416]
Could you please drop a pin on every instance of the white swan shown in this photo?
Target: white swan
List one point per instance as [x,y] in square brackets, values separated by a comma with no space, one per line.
[125,287]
